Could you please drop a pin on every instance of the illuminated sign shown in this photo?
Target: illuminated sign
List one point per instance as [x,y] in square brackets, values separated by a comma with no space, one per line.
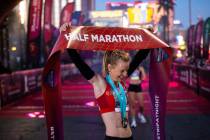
[118,5]
[106,14]
[141,14]
[107,18]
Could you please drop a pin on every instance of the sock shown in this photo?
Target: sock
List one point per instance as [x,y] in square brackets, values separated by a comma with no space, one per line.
[133,118]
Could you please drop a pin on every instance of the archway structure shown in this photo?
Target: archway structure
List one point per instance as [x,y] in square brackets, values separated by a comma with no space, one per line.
[107,38]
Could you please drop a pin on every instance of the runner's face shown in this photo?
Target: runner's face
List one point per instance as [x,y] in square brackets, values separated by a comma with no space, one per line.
[118,71]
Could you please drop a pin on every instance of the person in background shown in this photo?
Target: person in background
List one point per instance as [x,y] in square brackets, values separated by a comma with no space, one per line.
[136,100]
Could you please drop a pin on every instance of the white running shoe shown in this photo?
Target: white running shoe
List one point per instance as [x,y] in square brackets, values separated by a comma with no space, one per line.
[142,118]
[133,124]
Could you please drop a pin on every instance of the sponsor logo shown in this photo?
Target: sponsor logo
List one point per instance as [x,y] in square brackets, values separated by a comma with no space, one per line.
[52,133]
[103,38]
[157,115]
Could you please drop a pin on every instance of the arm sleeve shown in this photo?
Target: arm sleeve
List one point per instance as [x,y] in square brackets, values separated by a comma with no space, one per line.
[84,69]
[138,58]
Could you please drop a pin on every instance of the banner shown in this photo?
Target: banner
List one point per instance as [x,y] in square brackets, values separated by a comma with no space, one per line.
[198,38]
[206,39]
[191,40]
[66,13]
[47,26]
[106,38]
[158,88]
[34,32]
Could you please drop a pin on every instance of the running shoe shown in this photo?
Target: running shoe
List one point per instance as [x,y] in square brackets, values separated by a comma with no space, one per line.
[133,124]
[142,118]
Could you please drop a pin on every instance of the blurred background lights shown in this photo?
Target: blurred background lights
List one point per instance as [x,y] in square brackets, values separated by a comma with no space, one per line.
[179,54]
[36,115]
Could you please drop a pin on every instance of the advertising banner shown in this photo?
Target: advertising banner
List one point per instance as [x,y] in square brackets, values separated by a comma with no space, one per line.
[198,39]
[66,13]
[191,40]
[34,32]
[206,39]
[30,80]
[159,63]
[47,26]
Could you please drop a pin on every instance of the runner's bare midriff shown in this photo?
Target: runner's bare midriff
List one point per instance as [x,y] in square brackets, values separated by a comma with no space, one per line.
[113,125]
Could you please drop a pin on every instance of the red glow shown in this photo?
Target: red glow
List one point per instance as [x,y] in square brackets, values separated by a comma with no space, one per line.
[90,103]
[173,84]
[36,115]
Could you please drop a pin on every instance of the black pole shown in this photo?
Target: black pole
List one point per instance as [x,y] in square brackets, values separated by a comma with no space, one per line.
[190,17]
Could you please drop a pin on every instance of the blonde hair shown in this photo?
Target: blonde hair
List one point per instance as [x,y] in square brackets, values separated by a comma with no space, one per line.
[111,57]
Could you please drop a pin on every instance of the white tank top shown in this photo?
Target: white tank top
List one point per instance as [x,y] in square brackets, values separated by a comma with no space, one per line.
[135,75]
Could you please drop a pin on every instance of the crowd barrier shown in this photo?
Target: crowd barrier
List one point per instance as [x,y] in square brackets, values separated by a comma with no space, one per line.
[197,78]
[21,83]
